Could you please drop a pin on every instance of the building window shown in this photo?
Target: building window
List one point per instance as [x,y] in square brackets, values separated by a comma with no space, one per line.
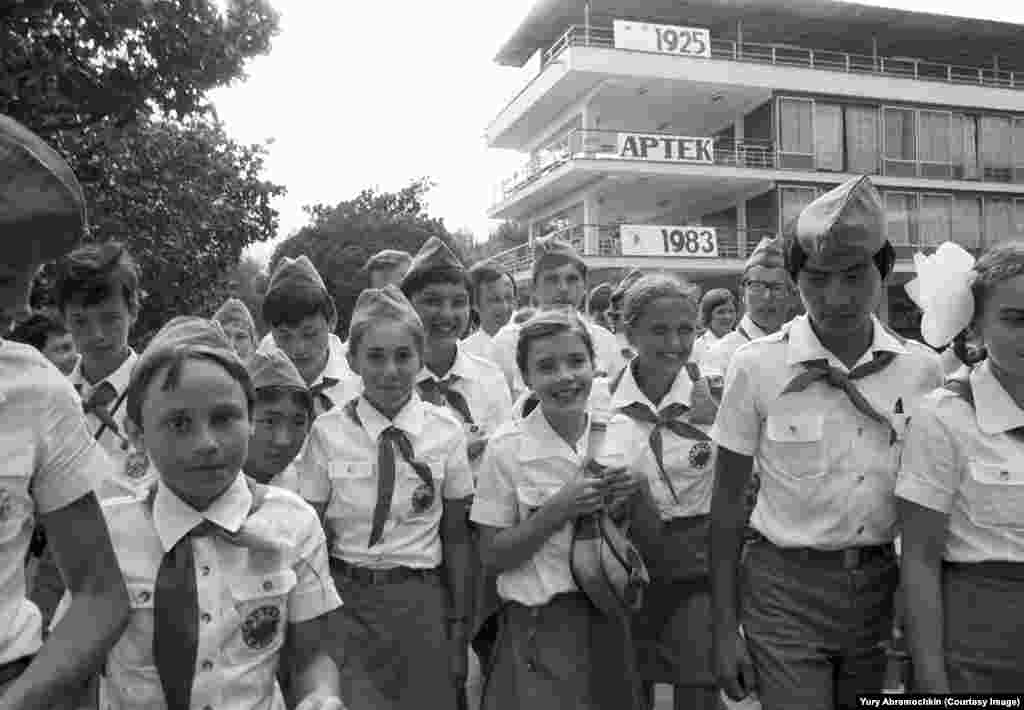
[862,139]
[796,133]
[900,142]
[901,218]
[828,137]
[995,138]
[1000,222]
[1018,150]
[965,147]
[967,227]
[935,150]
[935,219]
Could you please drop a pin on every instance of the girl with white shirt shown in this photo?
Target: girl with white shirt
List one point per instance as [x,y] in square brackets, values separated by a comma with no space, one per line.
[961,485]
[531,488]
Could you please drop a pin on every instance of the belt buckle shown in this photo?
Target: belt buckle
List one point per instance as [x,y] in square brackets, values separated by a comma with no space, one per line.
[851,558]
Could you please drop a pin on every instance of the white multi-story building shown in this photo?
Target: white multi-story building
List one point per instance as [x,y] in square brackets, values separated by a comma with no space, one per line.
[676,134]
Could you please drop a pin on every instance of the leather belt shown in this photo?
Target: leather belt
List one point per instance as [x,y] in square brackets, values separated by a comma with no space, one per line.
[847,558]
[990,568]
[12,669]
[391,575]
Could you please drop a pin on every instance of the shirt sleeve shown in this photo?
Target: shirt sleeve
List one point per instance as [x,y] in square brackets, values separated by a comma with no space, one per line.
[312,468]
[70,463]
[495,501]
[738,422]
[314,593]
[458,477]
[931,469]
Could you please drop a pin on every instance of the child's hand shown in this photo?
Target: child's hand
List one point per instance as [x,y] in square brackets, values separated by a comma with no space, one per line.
[321,702]
[621,485]
[580,497]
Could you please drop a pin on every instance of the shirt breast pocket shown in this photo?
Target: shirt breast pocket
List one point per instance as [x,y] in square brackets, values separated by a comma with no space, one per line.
[797,444]
[261,603]
[995,494]
[353,487]
[135,648]
[531,497]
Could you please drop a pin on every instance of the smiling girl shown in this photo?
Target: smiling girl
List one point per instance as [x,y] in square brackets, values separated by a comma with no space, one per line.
[961,486]
[661,410]
[531,489]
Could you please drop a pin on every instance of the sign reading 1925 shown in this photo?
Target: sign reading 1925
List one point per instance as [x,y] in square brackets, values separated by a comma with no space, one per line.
[685,149]
[658,240]
[664,39]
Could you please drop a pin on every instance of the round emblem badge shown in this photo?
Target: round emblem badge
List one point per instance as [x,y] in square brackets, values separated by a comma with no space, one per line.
[422,497]
[700,454]
[136,464]
[260,626]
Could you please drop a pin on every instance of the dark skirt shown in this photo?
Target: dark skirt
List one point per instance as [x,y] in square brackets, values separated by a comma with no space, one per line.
[673,629]
[555,657]
[390,643]
[983,612]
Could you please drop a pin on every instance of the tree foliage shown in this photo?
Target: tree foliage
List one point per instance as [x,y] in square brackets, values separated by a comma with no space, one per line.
[509,234]
[65,64]
[341,238]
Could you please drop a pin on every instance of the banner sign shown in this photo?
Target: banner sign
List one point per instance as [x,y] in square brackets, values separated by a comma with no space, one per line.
[678,149]
[664,39]
[657,240]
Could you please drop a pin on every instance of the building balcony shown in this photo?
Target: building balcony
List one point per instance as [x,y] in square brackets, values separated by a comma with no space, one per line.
[600,245]
[792,56]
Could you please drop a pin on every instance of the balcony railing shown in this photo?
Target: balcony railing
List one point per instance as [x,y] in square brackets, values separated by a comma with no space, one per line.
[732,244]
[791,56]
[593,144]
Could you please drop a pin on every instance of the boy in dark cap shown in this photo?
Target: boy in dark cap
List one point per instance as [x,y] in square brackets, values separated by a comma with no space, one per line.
[819,407]
[388,266]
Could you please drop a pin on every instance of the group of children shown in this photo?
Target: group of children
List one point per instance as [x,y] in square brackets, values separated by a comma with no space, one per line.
[390,521]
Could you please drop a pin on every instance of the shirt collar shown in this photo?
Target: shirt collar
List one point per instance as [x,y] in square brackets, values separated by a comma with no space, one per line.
[409,419]
[337,362]
[999,413]
[174,518]
[629,391]
[461,368]
[751,328]
[547,443]
[118,379]
[804,344]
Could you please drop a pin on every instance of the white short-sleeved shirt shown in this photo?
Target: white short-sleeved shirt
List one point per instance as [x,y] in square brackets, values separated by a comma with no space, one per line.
[481,344]
[716,357]
[340,469]
[599,404]
[127,477]
[606,351]
[689,463]
[526,463]
[248,593]
[336,368]
[827,470]
[961,461]
[702,344]
[49,461]
[287,479]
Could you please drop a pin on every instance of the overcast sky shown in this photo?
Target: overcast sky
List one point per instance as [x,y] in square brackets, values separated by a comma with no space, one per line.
[367,94]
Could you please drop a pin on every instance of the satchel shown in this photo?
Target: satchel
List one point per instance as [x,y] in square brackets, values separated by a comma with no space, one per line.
[605,564]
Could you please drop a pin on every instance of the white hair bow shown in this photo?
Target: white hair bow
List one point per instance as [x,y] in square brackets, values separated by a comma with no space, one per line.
[942,290]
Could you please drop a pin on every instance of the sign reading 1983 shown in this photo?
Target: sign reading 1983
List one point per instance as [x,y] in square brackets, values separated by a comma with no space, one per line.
[658,240]
[666,39]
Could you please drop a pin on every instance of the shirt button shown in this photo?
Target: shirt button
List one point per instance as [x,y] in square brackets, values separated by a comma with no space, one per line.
[860,530]
[1004,474]
[205,570]
[144,597]
[860,431]
[207,707]
[206,618]
[207,665]
[860,479]
[268,585]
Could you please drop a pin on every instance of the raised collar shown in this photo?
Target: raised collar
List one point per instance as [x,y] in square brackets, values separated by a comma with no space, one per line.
[174,518]
[629,391]
[546,442]
[751,328]
[804,344]
[998,413]
[118,379]
[409,419]
[462,368]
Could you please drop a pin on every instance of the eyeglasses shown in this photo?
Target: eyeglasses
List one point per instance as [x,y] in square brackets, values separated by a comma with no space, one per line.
[763,288]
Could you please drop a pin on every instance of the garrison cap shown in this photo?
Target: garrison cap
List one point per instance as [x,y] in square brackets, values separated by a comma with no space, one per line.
[843,224]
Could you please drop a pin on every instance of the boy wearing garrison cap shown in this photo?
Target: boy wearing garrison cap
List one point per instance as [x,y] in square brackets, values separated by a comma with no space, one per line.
[766,295]
[614,313]
[388,266]
[302,317]
[819,407]
[228,578]
[281,417]
[236,320]
[559,281]
[51,462]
